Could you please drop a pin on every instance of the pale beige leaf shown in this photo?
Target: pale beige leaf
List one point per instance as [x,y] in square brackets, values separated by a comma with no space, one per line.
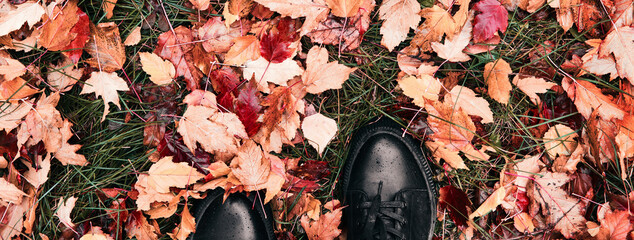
[149,195]
[138,227]
[452,48]
[621,43]
[523,222]
[595,64]
[11,114]
[244,48]
[232,123]
[321,75]
[10,193]
[531,86]
[229,17]
[134,37]
[95,233]
[474,154]
[11,68]
[496,75]
[165,174]
[200,4]
[439,151]
[424,87]
[252,168]
[559,140]
[28,12]
[217,37]
[319,130]
[13,221]
[625,144]
[525,170]
[496,198]
[466,99]
[161,71]
[64,208]
[105,85]
[196,127]
[278,73]
[37,177]
[343,8]
[67,152]
[203,98]
[63,76]
[588,97]
[561,210]
[399,16]
[295,8]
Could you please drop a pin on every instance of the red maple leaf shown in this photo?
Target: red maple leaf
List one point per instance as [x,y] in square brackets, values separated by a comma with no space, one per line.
[493,17]
[274,44]
[247,108]
[76,46]
[456,203]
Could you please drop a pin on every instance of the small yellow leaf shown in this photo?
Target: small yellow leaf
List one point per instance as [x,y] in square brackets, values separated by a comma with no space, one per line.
[161,71]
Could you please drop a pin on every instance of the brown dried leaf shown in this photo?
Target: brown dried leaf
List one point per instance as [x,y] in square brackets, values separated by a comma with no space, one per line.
[496,75]
[105,47]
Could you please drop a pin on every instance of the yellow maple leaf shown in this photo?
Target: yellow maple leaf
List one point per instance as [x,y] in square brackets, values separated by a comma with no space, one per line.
[161,71]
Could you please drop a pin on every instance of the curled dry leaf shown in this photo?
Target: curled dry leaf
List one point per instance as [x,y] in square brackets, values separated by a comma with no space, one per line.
[319,130]
[105,85]
[399,16]
[314,77]
[456,203]
[105,47]
[161,71]
[345,32]
[186,227]
[496,75]
[108,7]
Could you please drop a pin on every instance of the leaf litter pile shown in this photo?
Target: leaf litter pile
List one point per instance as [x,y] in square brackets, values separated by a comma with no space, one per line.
[528,142]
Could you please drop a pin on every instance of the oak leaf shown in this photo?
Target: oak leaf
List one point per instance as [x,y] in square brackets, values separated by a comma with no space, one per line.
[452,48]
[399,16]
[588,97]
[105,85]
[559,209]
[316,65]
[493,17]
[187,225]
[56,34]
[165,174]
[343,8]
[621,43]
[496,75]
[105,47]
[326,227]
[134,37]
[319,130]
[11,115]
[439,151]
[28,12]
[161,71]
[244,48]
[466,99]
[278,73]
[531,86]
[451,126]
[64,208]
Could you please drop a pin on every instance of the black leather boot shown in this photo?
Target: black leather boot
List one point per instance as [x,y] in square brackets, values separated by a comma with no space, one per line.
[238,218]
[387,186]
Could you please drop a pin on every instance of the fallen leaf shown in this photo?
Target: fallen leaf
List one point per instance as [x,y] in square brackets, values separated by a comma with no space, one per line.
[81,35]
[105,47]
[236,9]
[399,16]
[13,221]
[148,195]
[134,37]
[620,43]
[67,152]
[244,48]
[56,34]
[37,177]
[438,22]
[493,17]
[139,227]
[265,71]
[587,97]
[523,222]
[452,48]
[319,130]
[63,76]
[496,75]
[559,140]
[11,114]
[105,85]
[526,171]
[197,126]
[451,126]
[439,151]
[165,174]
[11,68]
[108,7]
[281,119]
[186,227]
[559,209]
[531,86]
[492,202]
[295,8]
[44,122]
[592,63]
[15,89]
[420,88]
[457,204]
[10,193]
[201,5]
[617,225]
[161,71]
[343,8]
[217,37]
[325,228]
[345,32]
[317,64]
[28,12]
[95,233]
[251,167]
[170,46]
[466,99]
[64,208]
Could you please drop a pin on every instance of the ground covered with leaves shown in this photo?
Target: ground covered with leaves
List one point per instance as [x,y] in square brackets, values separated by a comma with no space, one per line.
[117,115]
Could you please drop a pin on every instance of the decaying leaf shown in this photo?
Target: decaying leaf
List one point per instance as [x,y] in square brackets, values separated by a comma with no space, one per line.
[105,47]
[560,209]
